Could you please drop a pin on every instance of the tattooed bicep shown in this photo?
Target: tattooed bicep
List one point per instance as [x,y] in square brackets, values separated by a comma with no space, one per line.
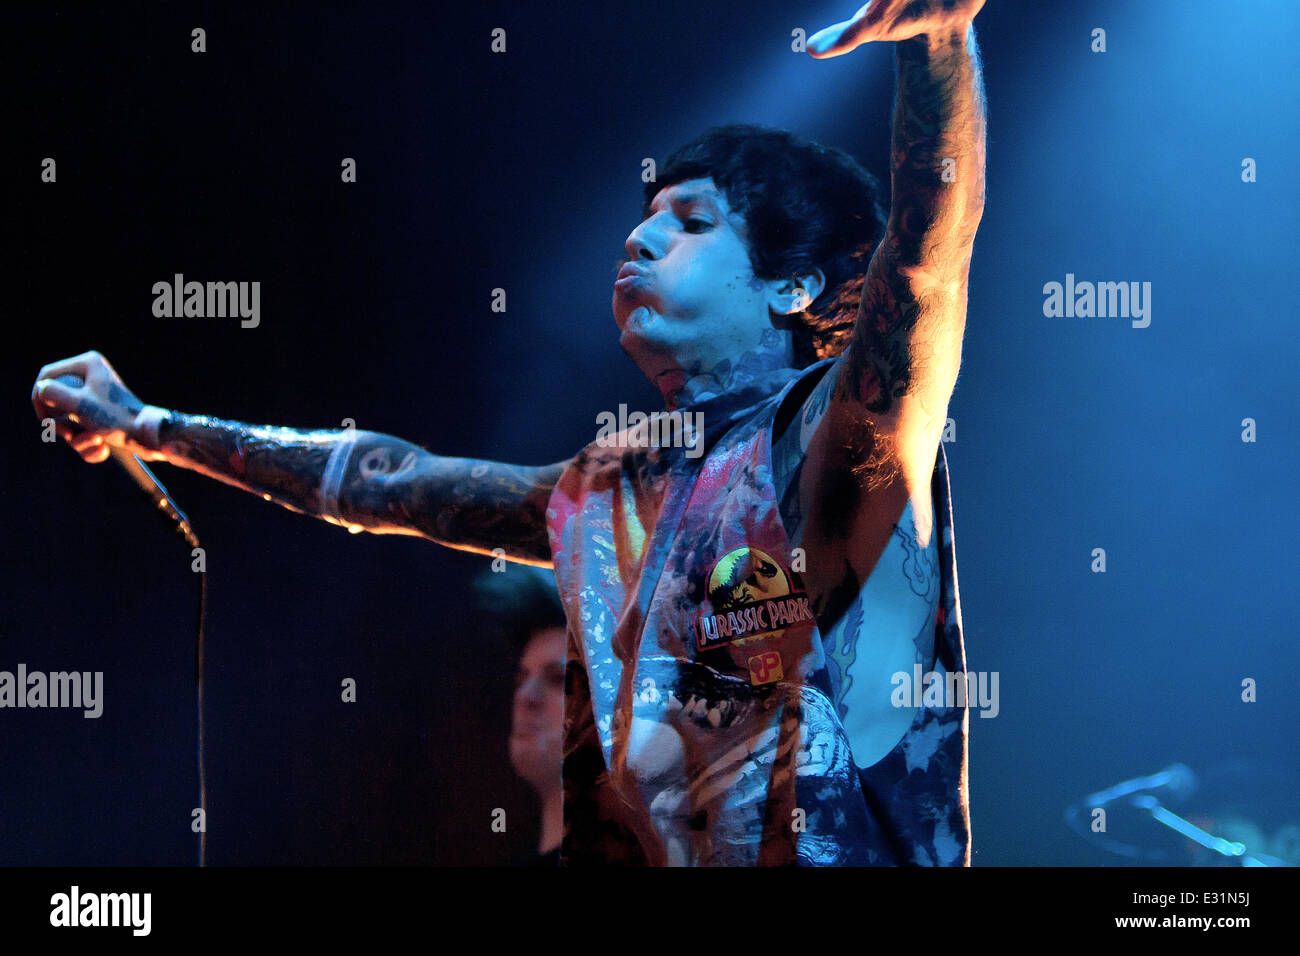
[389,486]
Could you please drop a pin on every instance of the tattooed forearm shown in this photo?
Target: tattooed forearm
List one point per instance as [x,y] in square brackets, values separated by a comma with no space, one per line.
[374,482]
[283,463]
[937,185]
[910,322]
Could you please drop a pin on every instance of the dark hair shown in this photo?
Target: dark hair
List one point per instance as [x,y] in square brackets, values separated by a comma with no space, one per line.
[805,205]
[517,602]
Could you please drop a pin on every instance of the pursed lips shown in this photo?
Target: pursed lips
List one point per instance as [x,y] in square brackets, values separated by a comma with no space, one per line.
[630,271]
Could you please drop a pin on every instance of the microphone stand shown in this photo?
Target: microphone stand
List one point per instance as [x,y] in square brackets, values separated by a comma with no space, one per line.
[141,474]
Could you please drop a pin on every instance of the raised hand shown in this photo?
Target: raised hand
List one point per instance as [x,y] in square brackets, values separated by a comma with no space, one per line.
[892,20]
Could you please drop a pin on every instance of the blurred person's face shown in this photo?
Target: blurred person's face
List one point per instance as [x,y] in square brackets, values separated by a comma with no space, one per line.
[537,729]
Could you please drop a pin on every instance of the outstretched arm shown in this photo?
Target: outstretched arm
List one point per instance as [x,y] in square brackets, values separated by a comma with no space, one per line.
[901,367]
[374,482]
[359,479]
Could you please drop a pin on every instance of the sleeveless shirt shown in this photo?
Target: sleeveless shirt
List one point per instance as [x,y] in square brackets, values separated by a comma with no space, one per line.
[701,717]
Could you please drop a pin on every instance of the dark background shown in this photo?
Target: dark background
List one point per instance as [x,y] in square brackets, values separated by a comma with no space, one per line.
[522,171]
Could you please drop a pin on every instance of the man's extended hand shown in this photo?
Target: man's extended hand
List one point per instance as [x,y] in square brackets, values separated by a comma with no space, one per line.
[892,20]
[93,416]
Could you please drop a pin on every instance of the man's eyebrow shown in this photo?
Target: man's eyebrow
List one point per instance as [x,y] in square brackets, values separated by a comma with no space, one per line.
[683,199]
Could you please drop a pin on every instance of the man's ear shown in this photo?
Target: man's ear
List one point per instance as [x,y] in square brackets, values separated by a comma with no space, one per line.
[787,296]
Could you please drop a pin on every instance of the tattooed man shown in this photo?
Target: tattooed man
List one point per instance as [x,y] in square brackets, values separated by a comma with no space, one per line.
[741,618]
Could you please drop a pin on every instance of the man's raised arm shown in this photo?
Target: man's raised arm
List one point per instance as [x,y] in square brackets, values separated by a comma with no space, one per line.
[359,479]
[901,366]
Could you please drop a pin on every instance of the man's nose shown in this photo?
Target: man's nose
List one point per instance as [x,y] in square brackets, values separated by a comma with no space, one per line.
[640,245]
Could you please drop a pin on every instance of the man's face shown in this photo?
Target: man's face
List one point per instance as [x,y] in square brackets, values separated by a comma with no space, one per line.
[692,298]
[537,726]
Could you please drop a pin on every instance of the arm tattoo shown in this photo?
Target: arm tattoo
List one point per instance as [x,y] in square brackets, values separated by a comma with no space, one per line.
[284,464]
[390,486]
[912,313]
[374,482]
[790,449]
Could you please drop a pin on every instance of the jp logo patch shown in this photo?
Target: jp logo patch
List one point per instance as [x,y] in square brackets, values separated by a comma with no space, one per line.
[765,668]
[751,596]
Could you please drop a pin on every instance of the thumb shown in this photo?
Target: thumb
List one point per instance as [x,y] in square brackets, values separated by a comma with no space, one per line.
[839,38]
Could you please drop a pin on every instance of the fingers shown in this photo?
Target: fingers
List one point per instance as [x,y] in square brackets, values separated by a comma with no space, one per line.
[892,20]
[74,436]
[78,365]
[82,444]
[94,447]
[90,367]
[76,419]
[57,398]
[96,400]
[840,38]
[98,454]
[51,397]
[824,44]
